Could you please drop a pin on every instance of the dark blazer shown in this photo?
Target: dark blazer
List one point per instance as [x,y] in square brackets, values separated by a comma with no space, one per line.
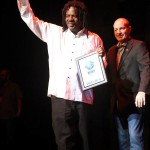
[133,75]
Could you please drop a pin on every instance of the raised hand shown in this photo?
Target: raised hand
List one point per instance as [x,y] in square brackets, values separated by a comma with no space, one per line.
[100,51]
[23,2]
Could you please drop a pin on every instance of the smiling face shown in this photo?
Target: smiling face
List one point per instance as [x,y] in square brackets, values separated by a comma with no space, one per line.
[122,30]
[72,20]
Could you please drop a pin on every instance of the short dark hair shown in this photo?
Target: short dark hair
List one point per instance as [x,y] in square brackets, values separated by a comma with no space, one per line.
[82,12]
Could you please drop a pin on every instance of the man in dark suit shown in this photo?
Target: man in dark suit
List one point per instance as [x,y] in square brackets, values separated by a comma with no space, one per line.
[129,75]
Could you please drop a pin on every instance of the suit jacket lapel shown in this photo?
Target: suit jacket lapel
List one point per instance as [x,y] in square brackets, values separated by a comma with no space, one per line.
[125,53]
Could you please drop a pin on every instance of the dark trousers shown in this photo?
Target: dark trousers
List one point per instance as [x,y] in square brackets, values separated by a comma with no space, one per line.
[69,123]
[7,133]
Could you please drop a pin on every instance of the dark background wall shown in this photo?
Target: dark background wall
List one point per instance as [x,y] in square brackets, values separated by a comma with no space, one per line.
[27,58]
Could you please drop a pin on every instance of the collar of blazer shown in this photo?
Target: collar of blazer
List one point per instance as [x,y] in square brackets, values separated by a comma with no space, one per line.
[126,51]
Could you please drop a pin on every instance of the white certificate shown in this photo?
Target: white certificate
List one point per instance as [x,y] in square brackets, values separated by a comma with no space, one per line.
[91,70]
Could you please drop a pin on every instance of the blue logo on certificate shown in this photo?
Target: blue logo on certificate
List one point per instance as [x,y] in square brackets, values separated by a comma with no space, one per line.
[90,67]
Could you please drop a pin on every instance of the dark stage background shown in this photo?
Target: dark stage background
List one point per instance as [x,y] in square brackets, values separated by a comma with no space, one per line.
[26,55]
